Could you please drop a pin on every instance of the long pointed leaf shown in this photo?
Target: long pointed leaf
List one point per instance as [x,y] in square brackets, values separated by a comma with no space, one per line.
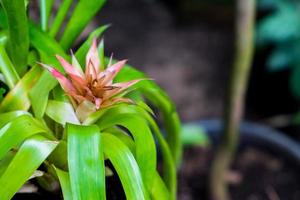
[17,98]
[29,157]
[18,33]
[145,146]
[7,68]
[61,112]
[159,99]
[126,167]
[47,47]
[64,180]
[82,15]
[60,16]
[86,162]
[15,132]
[45,11]
[9,116]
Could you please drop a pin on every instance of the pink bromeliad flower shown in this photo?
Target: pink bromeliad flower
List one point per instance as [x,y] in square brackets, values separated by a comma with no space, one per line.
[93,89]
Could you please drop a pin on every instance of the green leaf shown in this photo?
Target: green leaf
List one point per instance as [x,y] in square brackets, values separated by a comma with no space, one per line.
[86,162]
[123,136]
[15,132]
[47,47]
[144,142]
[59,156]
[7,68]
[2,92]
[83,49]
[61,112]
[9,116]
[17,98]
[126,167]
[193,134]
[281,26]
[29,157]
[159,190]
[18,44]
[60,16]
[159,99]
[64,181]
[81,16]
[45,11]
[169,169]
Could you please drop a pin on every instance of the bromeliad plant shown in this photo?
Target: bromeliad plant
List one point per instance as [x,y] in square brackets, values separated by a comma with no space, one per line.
[95,113]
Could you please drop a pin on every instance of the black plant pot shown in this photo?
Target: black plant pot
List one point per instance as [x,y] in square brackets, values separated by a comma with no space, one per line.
[267,163]
[257,135]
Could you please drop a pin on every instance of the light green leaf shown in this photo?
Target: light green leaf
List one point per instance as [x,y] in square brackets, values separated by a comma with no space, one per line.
[17,98]
[144,142]
[7,68]
[63,10]
[126,167]
[86,162]
[47,47]
[29,157]
[15,132]
[83,49]
[81,16]
[159,190]
[9,116]
[45,11]
[64,181]
[194,135]
[18,44]
[61,112]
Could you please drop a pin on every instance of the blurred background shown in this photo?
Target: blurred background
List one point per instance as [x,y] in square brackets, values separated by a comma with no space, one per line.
[187,46]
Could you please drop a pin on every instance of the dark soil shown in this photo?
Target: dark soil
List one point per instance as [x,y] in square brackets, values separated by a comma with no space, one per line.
[256,175]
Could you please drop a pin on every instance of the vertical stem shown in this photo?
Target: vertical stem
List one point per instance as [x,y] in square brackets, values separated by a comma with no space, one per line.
[234,104]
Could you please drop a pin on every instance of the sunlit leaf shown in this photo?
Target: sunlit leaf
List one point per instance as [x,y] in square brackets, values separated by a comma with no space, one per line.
[64,181]
[15,132]
[61,112]
[144,142]
[86,162]
[29,157]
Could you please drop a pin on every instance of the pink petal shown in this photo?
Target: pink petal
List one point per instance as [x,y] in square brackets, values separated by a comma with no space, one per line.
[111,72]
[90,71]
[78,82]
[75,63]
[92,56]
[63,81]
[68,67]
[119,88]
[115,101]
[98,102]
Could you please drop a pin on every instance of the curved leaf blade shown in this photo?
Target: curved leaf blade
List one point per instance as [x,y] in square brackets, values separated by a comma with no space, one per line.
[61,112]
[64,181]
[82,15]
[86,162]
[18,33]
[29,157]
[15,132]
[126,167]
[144,142]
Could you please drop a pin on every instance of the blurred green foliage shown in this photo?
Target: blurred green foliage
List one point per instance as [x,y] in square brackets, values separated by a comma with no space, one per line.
[2,92]
[280,29]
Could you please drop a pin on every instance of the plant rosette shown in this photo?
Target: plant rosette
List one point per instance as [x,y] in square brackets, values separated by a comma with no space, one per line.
[61,129]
